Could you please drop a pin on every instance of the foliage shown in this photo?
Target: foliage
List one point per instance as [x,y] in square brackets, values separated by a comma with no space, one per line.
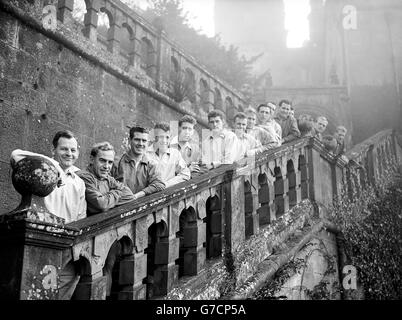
[371,224]
[170,16]
[284,273]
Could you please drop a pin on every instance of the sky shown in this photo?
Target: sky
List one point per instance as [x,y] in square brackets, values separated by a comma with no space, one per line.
[296,22]
[201,16]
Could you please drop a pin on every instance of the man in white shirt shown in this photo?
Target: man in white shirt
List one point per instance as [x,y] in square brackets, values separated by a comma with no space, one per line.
[170,162]
[267,139]
[219,144]
[186,143]
[66,201]
[320,125]
[247,146]
[266,121]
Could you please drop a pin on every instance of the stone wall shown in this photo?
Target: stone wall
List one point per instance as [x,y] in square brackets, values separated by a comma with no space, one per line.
[67,79]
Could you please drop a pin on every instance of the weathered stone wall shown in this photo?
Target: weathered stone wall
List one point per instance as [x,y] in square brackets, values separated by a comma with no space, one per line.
[54,80]
[46,87]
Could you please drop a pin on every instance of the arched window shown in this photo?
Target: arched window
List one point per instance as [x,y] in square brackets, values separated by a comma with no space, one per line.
[105,19]
[79,11]
[189,82]
[174,70]
[218,99]
[148,57]
[127,43]
[229,108]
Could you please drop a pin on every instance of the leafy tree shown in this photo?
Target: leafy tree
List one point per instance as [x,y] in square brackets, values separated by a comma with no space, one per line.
[226,63]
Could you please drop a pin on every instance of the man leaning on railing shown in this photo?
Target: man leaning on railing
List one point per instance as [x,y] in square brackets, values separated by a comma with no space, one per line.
[103,192]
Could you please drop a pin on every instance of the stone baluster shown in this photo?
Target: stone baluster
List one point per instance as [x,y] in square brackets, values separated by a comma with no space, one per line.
[214,227]
[138,34]
[114,32]
[255,225]
[248,209]
[91,20]
[167,247]
[210,102]
[92,286]
[291,176]
[65,9]
[265,196]
[194,237]
[303,169]
[234,212]
[160,48]
[133,267]
[279,187]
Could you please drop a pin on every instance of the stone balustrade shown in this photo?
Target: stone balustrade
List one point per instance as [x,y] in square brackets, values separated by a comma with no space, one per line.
[371,160]
[177,233]
[182,234]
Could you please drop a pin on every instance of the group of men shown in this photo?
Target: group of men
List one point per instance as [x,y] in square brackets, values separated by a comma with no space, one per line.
[150,166]
[153,164]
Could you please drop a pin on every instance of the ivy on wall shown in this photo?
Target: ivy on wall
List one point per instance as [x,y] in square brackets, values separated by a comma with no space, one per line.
[371,225]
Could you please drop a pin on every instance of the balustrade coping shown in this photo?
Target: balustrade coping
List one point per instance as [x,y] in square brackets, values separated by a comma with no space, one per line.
[319,89]
[152,203]
[121,215]
[365,145]
[175,45]
[137,209]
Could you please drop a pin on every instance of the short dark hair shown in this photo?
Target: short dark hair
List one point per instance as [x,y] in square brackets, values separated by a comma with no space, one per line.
[329,142]
[162,125]
[305,126]
[104,146]
[240,115]
[62,134]
[137,129]
[216,113]
[284,101]
[321,117]
[266,105]
[260,106]
[342,128]
[187,118]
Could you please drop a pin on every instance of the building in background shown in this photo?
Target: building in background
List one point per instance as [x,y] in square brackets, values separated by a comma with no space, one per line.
[355,46]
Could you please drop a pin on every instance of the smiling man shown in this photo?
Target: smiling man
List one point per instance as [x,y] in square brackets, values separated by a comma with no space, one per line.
[68,200]
[247,146]
[136,169]
[267,139]
[320,125]
[288,123]
[266,121]
[103,192]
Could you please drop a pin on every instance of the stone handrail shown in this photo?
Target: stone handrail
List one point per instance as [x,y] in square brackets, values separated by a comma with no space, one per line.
[183,232]
[370,159]
[174,232]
